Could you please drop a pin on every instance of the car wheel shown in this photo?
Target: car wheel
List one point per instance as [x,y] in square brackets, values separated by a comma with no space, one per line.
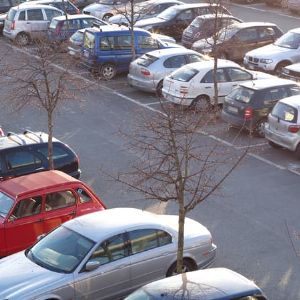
[106,17]
[187,267]
[22,39]
[159,89]
[108,71]
[274,145]
[280,66]
[260,128]
[201,103]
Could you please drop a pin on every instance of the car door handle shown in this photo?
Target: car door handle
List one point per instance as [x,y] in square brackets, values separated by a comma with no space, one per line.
[207,87]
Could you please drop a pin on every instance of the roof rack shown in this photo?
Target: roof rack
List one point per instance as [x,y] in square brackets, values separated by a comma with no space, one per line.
[11,136]
[34,134]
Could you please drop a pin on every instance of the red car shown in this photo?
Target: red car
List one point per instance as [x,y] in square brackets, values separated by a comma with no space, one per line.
[34,204]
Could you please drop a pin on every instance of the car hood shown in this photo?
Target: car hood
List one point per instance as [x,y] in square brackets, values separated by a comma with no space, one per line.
[20,277]
[150,21]
[270,51]
[96,6]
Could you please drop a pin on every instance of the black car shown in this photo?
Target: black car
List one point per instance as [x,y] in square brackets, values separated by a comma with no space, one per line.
[175,19]
[249,104]
[27,153]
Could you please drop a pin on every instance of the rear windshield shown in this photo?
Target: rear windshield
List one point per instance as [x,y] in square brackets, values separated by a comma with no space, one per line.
[285,112]
[53,24]
[241,94]
[146,60]
[89,40]
[184,74]
[11,14]
[5,204]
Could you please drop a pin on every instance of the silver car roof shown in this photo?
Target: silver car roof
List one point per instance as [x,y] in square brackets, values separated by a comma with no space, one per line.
[292,101]
[267,83]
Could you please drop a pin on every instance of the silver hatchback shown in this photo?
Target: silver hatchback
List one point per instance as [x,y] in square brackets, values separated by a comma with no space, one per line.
[283,127]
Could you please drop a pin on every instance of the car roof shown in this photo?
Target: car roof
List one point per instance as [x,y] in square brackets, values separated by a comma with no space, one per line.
[43,2]
[296,30]
[33,4]
[250,24]
[293,101]
[112,28]
[20,186]
[22,139]
[164,1]
[160,53]
[208,64]
[213,284]
[78,16]
[294,67]
[267,83]
[192,5]
[219,15]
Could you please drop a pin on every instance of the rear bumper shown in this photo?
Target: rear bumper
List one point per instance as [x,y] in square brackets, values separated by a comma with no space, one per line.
[211,257]
[237,121]
[146,85]
[177,100]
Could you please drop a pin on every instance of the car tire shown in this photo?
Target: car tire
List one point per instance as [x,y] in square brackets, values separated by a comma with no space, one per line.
[279,67]
[159,89]
[259,129]
[108,71]
[274,145]
[106,17]
[187,267]
[201,103]
[22,39]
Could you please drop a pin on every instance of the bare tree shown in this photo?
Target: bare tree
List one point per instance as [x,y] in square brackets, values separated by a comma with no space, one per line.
[43,80]
[176,162]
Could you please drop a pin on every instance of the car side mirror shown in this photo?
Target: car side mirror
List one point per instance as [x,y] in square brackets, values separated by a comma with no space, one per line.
[92,265]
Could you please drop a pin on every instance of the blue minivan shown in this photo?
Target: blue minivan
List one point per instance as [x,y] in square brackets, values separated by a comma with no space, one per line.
[107,51]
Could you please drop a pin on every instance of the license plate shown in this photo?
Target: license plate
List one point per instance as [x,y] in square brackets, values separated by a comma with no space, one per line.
[251,67]
[232,109]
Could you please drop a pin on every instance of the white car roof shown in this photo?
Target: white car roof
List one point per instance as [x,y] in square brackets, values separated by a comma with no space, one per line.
[296,30]
[267,83]
[77,16]
[171,51]
[27,5]
[208,65]
[293,101]
[100,225]
[294,67]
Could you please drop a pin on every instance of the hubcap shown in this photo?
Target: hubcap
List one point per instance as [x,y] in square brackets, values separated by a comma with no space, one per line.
[108,72]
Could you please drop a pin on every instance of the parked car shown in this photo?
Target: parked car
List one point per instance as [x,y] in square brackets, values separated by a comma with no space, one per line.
[210,284]
[175,19]
[203,27]
[144,10]
[235,40]
[193,85]
[34,204]
[274,57]
[66,6]
[5,5]
[104,255]
[249,105]
[283,126]
[104,9]
[62,27]
[293,6]
[25,23]
[27,152]
[108,51]
[291,72]
[147,72]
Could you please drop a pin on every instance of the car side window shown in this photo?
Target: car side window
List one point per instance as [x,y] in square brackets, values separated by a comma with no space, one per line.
[193,58]
[123,42]
[35,15]
[236,74]
[88,22]
[51,13]
[58,151]
[247,35]
[274,94]
[204,11]
[22,16]
[146,239]
[266,33]
[107,43]
[71,24]
[220,74]
[175,61]
[83,195]
[112,249]
[185,15]
[147,42]
[294,90]
[27,207]
[58,200]
[22,159]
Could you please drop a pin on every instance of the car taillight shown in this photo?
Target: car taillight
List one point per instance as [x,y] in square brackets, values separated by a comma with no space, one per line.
[294,128]
[13,25]
[183,90]
[145,72]
[248,114]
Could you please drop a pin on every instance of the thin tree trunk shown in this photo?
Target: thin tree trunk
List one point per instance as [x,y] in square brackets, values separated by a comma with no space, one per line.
[181,218]
[50,145]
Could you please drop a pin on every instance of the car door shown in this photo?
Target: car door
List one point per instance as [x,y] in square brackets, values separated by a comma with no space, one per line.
[112,278]
[237,75]
[173,63]
[152,253]
[36,22]
[24,224]
[266,35]
[60,205]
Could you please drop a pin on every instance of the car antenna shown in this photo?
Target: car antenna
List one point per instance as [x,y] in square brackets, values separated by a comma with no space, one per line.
[27,131]
[11,136]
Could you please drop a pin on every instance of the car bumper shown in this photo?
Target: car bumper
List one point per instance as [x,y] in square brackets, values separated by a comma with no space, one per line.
[287,141]
[211,257]
[177,100]
[141,84]
[9,34]
[259,66]
[236,120]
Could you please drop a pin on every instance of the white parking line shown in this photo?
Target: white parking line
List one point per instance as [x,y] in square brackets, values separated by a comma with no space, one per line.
[157,111]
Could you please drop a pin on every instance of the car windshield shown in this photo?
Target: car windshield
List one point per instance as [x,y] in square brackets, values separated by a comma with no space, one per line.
[289,40]
[5,204]
[285,112]
[169,13]
[89,40]
[146,60]
[241,94]
[184,74]
[60,251]
[226,33]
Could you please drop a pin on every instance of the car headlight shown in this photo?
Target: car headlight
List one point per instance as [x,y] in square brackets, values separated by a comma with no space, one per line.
[266,61]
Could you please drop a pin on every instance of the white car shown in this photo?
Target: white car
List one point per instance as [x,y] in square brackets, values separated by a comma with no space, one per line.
[103,255]
[274,57]
[193,85]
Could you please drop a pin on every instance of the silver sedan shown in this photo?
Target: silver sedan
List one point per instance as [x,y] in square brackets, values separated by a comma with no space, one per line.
[147,72]
[103,255]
